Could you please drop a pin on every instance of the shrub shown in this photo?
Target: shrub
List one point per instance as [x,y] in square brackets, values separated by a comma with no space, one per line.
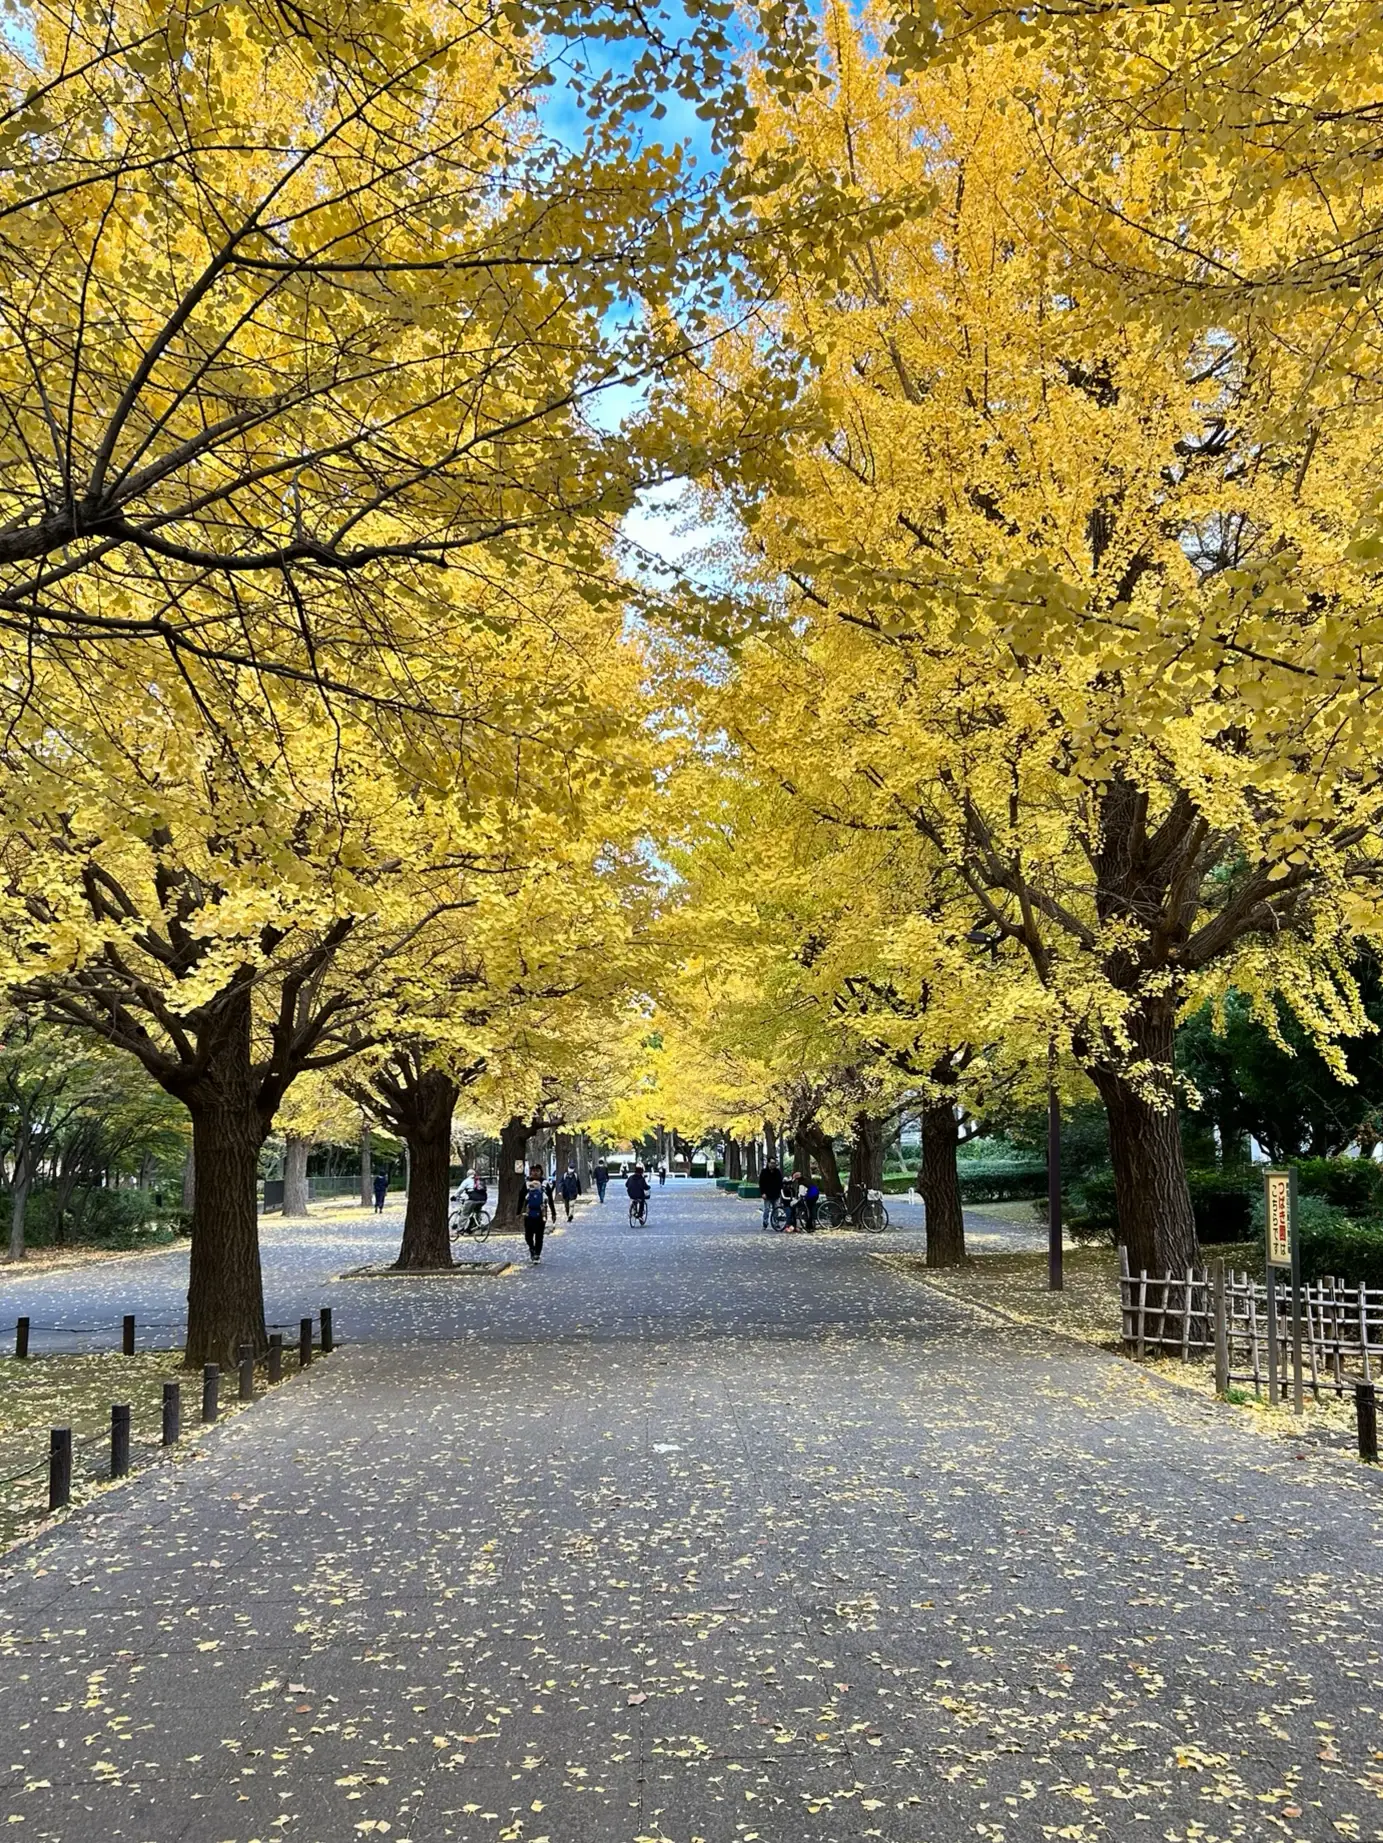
[1350,1251]
[1221,1202]
[1352,1184]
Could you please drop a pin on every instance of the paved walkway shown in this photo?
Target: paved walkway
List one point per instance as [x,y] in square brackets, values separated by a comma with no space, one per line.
[702,1533]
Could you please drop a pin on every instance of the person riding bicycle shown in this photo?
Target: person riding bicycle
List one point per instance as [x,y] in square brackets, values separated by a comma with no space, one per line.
[473,1196]
[770,1187]
[636,1187]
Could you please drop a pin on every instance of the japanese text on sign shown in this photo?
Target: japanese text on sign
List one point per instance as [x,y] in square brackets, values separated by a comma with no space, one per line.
[1279,1219]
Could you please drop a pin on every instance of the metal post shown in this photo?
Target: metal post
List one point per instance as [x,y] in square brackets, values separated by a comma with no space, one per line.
[304,1342]
[127,1335]
[276,1356]
[172,1413]
[1221,1331]
[1366,1415]
[21,1338]
[211,1390]
[59,1467]
[119,1439]
[328,1337]
[1054,1273]
[247,1372]
[1270,1274]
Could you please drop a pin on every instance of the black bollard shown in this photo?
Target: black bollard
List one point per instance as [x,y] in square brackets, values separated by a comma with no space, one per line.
[59,1467]
[328,1337]
[304,1342]
[211,1391]
[276,1356]
[119,1439]
[1366,1414]
[247,1372]
[127,1335]
[21,1338]
[172,1413]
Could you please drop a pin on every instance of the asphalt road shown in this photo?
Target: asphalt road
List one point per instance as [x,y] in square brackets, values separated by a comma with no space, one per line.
[693,1532]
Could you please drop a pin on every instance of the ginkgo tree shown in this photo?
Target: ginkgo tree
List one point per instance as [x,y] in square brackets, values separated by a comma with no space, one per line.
[1016,556]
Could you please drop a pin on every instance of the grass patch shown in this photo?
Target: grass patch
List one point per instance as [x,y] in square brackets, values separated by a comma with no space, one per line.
[44,1392]
[1088,1308]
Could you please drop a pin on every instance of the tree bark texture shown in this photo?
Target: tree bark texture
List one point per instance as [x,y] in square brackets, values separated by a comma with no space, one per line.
[866,1158]
[20,1185]
[734,1159]
[752,1161]
[1151,1196]
[513,1144]
[295,1186]
[770,1143]
[938,1183]
[818,1144]
[225,1293]
[425,1119]
[583,1163]
[367,1176]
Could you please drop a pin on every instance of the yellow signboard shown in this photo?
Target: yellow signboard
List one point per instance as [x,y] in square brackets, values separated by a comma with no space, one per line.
[1279,1218]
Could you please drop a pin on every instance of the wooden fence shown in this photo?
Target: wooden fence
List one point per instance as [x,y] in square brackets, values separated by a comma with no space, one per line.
[1218,1311]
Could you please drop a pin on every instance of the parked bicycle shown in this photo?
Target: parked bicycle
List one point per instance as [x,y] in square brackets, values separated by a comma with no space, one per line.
[466,1221]
[868,1215]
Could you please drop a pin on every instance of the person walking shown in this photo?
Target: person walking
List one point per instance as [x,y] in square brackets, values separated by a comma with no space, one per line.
[381,1191]
[533,1208]
[770,1187]
[550,1196]
[570,1186]
[662,1176]
[601,1174]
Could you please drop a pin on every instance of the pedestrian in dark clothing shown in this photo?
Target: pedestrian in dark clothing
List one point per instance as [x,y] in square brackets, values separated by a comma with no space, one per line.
[550,1197]
[381,1190]
[533,1208]
[601,1174]
[770,1187]
[570,1186]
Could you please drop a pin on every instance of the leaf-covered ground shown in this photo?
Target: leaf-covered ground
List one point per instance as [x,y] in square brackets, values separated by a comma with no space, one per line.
[694,1532]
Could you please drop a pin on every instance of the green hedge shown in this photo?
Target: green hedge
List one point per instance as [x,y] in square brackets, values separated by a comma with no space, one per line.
[1006,1183]
[1352,1184]
[1221,1201]
[1350,1251]
[96,1217]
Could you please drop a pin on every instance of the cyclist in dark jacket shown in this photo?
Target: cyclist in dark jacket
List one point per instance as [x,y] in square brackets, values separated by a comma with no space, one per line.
[770,1187]
[636,1188]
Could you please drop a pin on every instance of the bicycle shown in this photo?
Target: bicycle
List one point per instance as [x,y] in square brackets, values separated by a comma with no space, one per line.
[638,1212]
[868,1215]
[466,1221]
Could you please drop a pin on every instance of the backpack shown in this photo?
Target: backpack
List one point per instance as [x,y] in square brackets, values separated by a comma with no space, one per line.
[533,1202]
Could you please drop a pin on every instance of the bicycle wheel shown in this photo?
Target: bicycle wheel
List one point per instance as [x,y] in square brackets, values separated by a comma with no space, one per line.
[778,1217]
[833,1209]
[480,1228]
[635,1215]
[873,1216]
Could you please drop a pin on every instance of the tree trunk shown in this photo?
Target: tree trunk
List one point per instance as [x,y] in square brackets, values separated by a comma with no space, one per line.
[770,1144]
[566,1151]
[821,1147]
[295,1187]
[583,1163]
[866,1158]
[513,1143]
[751,1163]
[225,1288]
[189,1182]
[734,1160]
[367,1176]
[1156,1223]
[20,1185]
[427,1134]
[938,1183]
